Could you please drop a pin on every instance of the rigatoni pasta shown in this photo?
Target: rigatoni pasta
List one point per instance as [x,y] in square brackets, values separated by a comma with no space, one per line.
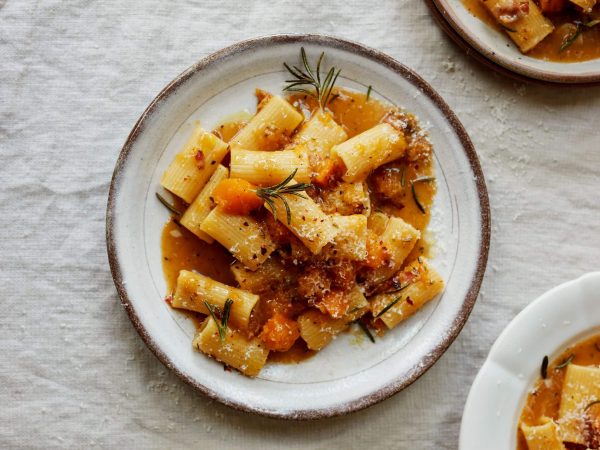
[367,151]
[398,240]
[543,437]
[307,221]
[194,289]
[277,119]
[194,165]
[300,229]
[321,132]
[243,236]
[200,208]
[423,285]
[528,30]
[246,355]
[268,167]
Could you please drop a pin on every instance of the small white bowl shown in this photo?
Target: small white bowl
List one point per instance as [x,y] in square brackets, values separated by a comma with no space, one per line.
[499,49]
[561,317]
[345,376]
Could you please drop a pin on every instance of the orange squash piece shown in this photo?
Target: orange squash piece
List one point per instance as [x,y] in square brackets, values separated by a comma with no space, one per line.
[237,196]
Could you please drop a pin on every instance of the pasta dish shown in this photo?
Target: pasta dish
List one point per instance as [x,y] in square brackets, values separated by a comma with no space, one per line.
[300,222]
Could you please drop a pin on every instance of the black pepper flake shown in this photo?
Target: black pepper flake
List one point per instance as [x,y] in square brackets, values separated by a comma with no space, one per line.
[263,251]
[246,224]
[409,301]
[212,163]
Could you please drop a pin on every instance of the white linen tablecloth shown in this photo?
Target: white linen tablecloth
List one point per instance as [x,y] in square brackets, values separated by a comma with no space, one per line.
[74,77]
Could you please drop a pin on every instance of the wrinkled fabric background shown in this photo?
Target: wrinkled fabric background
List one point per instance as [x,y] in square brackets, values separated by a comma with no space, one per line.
[74,77]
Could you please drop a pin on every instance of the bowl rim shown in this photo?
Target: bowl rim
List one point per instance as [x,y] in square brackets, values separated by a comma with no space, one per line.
[377,57]
[524,317]
[519,70]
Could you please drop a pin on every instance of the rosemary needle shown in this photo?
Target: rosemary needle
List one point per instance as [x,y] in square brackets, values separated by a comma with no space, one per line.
[566,362]
[414,192]
[304,79]
[388,307]
[366,331]
[221,324]
[589,405]
[168,205]
[279,190]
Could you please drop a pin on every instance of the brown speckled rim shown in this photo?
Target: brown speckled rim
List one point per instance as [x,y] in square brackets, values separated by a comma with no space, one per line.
[378,58]
[476,49]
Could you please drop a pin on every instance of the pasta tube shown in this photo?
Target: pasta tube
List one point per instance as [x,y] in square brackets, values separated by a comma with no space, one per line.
[366,151]
[243,236]
[269,273]
[543,437]
[581,386]
[350,241]
[526,31]
[194,165]
[267,168]
[318,329]
[407,301]
[321,132]
[201,206]
[358,304]
[247,356]
[276,118]
[399,238]
[193,289]
[307,221]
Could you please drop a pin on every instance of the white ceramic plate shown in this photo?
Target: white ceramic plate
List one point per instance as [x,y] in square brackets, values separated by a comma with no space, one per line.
[561,317]
[500,49]
[345,376]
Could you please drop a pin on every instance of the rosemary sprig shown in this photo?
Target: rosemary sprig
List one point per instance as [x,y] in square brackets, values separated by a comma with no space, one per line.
[278,190]
[414,192]
[566,362]
[544,368]
[569,40]
[388,307]
[580,27]
[590,404]
[168,205]
[592,24]
[366,330]
[506,28]
[369,93]
[401,288]
[221,324]
[304,79]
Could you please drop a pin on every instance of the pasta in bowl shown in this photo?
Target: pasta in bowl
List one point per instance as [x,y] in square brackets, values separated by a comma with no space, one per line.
[563,407]
[541,402]
[320,214]
[207,105]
